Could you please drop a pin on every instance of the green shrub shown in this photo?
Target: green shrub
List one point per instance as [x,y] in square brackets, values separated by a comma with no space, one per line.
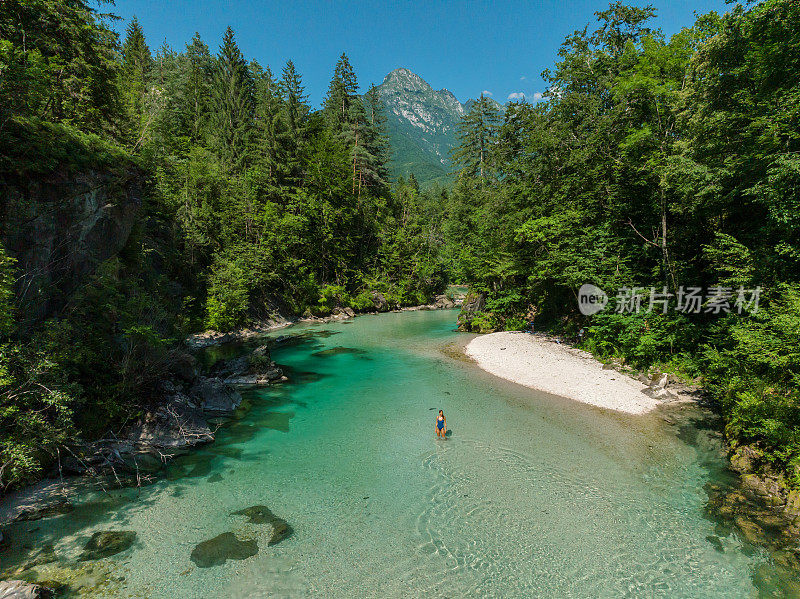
[362,302]
[332,296]
[228,297]
[515,323]
[483,323]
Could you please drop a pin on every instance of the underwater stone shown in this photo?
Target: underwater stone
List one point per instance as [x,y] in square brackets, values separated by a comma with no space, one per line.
[51,508]
[221,548]
[261,514]
[107,543]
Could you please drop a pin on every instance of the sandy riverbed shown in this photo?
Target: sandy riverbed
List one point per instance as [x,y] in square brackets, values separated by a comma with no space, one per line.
[540,363]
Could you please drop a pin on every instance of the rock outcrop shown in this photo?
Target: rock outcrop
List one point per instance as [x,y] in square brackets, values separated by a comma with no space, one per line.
[442,302]
[473,305]
[379,301]
[175,423]
[214,397]
[250,370]
[343,313]
[258,329]
[19,589]
[59,227]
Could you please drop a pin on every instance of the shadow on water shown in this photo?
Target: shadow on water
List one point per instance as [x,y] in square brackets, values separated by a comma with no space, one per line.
[298,376]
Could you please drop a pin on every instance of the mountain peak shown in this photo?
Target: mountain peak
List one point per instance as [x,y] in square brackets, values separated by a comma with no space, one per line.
[422,125]
[406,80]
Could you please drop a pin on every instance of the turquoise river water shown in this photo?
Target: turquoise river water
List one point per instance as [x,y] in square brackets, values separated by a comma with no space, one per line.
[531,495]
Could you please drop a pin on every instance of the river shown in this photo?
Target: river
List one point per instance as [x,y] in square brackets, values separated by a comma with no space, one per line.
[531,495]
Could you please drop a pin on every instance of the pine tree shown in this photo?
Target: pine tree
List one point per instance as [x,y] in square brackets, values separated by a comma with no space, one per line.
[232,102]
[342,90]
[197,89]
[376,140]
[137,63]
[476,132]
[267,118]
[291,125]
[354,135]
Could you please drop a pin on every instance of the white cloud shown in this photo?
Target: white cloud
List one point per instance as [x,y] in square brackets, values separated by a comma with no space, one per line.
[538,96]
[486,92]
[523,78]
[516,96]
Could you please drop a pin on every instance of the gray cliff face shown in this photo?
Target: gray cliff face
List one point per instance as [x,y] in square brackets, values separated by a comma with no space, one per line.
[61,226]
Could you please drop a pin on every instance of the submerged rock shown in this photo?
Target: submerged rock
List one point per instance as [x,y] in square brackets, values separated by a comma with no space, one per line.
[335,351]
[221,548]
[107,543]
[753,509]
[716,542]
[48,509]
[280,530]
[774,580]
[19,589]
[44,555]
[261,514]
[257,514]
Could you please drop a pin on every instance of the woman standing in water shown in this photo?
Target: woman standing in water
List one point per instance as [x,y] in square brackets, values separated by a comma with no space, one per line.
[441,425]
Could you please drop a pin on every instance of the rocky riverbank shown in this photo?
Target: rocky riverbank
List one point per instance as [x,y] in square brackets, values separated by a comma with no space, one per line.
[766,513]
[185,412]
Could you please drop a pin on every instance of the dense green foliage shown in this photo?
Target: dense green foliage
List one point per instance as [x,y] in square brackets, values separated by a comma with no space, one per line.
[654,163]
[252,204]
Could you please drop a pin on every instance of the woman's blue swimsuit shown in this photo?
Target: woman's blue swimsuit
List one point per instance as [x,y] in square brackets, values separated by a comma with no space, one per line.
[440,423]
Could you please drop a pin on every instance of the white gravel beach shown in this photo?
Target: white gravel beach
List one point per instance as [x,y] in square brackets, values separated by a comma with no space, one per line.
[539,363]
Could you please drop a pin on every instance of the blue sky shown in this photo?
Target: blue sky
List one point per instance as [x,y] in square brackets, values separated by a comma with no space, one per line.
[464,46]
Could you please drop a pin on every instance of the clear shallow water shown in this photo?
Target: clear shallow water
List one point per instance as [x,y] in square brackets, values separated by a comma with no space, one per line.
[531,495]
